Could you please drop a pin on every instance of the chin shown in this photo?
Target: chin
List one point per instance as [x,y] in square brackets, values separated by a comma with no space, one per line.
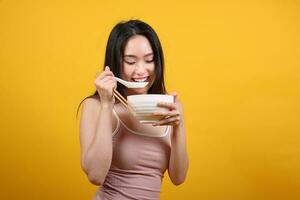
[138,91]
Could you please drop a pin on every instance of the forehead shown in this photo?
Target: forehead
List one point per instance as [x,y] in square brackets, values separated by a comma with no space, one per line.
[137,45]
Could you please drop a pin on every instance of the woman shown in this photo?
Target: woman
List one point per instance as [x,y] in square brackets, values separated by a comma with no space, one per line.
[129,165]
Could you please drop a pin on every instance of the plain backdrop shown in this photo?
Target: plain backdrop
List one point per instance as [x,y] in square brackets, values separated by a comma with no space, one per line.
[234,64]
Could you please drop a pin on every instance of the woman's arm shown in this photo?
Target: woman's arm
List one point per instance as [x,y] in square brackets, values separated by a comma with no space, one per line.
[96,139]
[96,129]
[178,163]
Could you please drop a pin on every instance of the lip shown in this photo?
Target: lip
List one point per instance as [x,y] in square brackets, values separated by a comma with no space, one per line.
[145,79]
[141,77]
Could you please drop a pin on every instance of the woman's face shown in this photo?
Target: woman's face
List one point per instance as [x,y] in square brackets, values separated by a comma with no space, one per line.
[138,63]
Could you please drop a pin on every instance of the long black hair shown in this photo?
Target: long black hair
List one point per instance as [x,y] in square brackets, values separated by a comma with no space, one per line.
[115,48]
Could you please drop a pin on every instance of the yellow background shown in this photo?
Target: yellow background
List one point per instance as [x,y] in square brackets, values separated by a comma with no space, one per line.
[234,64]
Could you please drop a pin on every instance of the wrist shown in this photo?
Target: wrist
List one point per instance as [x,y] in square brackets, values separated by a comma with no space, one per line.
[178,127]
[107,105]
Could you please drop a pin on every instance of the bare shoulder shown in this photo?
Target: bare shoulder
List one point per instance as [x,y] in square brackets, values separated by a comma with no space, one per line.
[90,111]
[91,103]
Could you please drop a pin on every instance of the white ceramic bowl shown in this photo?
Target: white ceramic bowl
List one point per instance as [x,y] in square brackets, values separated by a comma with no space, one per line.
[144,105]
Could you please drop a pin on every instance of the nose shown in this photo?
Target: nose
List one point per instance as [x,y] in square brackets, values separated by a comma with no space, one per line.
[140,68]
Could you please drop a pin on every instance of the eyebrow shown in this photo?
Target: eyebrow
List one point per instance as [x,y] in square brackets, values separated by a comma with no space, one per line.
[133,56]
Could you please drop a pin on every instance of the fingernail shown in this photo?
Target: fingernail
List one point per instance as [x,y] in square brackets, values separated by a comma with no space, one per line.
[107,68]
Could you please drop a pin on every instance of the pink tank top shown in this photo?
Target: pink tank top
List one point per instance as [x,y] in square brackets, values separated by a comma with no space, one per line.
[138,165]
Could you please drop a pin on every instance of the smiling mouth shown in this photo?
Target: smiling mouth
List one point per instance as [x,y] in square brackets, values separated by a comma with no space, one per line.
[145,79]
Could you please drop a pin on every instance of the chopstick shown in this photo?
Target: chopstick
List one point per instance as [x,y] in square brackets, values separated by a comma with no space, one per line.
[122,100]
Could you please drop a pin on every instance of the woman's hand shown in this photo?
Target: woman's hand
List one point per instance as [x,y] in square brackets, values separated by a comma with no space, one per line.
[105,84]
[173,116]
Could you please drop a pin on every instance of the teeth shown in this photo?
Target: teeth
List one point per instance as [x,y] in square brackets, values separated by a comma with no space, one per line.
[140,80]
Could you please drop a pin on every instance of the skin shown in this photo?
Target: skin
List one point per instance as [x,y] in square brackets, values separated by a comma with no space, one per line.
[97,122]
[138,63]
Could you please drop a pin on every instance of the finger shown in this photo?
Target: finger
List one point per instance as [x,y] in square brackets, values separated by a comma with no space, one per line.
[170,106]
[102,82]
[104,74]
[167,113]
[168,121]
[174,94]
[107,78]
[109,86]
[106,71]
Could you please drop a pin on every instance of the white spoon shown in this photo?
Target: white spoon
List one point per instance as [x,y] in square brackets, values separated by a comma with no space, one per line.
[131,84]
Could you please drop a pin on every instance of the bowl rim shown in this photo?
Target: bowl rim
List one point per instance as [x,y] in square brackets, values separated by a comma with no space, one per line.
[137,97]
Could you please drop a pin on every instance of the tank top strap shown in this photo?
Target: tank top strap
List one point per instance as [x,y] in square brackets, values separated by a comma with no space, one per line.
[118,122]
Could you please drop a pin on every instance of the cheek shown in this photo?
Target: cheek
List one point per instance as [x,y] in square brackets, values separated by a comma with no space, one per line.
[127,70]
[151,69]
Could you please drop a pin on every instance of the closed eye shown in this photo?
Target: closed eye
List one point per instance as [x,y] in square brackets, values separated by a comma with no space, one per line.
[130,63]
[149,61]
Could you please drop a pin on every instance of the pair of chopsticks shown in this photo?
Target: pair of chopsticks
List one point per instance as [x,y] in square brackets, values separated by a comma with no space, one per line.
[122,100]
